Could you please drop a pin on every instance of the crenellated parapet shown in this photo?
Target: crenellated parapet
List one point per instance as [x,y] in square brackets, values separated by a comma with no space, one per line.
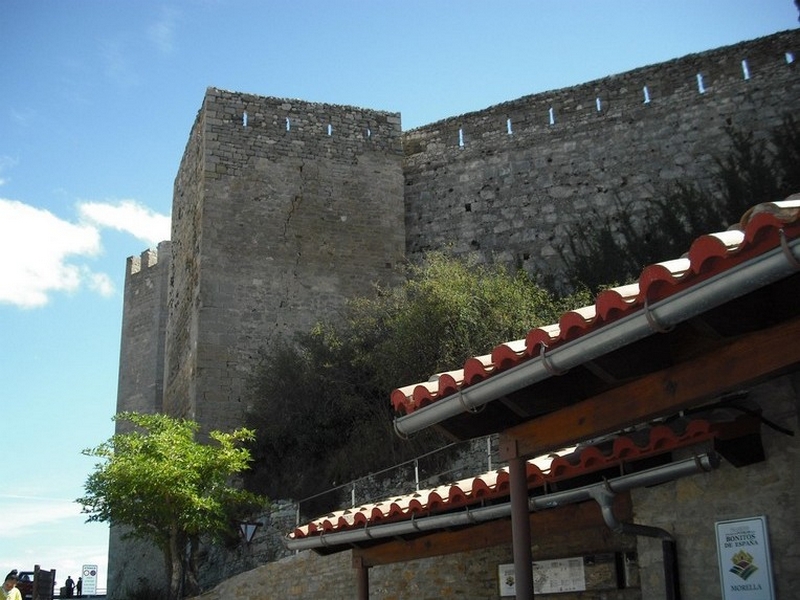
[708,77]
[504,184]
[241,128]
[146,260]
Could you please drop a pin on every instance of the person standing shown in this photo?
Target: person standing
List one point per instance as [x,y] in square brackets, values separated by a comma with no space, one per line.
[9,589]
[79,587]
[69,584]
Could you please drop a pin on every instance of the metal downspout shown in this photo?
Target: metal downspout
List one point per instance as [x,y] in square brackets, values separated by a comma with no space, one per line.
[604,496]
[737,281]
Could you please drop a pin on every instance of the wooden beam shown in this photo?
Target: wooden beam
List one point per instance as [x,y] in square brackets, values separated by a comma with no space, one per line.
[743,361]
[551,522]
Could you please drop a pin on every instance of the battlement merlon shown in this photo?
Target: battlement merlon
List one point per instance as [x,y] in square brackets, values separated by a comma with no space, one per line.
[298,121]
[147,259]
[675,81]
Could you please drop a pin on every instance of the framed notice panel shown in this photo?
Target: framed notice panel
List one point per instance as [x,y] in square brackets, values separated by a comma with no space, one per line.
[549,576]
[745,570]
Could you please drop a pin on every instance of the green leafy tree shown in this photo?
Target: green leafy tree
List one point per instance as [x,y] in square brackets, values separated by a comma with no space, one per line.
[165,487]
[320,402]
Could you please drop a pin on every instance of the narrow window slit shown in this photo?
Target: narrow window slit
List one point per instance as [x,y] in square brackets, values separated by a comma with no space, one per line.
[789,58]
[701,87]
[244,119]
[369,133]
[552,116]
[288,124]
[509,130]
[745,70]
[330,129]
[598,104]
[646,93]
[460,137]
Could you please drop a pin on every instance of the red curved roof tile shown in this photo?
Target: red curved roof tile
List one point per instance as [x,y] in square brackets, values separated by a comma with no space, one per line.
[508,354]
[494,485]
[759,230]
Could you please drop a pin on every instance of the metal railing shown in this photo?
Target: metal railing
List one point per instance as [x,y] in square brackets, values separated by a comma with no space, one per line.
[443,465]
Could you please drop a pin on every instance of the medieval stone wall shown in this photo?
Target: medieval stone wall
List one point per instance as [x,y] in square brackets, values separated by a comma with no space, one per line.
[140,389]
[283,210]
[143,324]
[465,576]
[505,183]
[183,300]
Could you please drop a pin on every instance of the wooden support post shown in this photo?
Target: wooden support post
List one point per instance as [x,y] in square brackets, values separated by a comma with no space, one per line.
[520,528]
[362,577]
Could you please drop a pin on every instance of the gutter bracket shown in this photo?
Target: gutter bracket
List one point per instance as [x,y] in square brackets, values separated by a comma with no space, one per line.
[549,367]
[652,320]
[787,251]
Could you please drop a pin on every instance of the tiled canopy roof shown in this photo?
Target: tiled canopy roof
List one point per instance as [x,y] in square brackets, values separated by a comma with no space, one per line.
[547,472]
[764,227]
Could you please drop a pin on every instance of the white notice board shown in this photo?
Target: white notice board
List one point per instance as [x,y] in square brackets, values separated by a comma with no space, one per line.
[549,576]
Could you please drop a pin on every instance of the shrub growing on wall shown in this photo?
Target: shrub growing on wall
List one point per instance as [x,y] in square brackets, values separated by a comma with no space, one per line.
[320,404]
[612,248]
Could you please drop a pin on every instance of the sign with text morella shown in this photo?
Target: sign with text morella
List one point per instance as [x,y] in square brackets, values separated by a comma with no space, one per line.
[745,570]
[89,575]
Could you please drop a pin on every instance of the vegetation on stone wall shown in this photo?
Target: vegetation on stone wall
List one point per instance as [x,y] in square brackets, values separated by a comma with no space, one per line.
[614,247]
[320,404]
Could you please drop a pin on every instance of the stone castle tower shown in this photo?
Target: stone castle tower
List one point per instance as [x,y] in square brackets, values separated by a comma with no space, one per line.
[283,209]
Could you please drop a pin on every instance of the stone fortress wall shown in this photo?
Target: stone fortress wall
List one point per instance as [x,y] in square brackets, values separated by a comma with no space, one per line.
[505,183]
[283,209]
[145,318]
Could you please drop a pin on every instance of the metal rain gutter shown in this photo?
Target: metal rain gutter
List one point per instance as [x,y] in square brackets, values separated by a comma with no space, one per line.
[769,267]
[698,464]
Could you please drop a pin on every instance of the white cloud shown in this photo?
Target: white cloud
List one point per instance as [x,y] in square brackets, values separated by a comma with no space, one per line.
[162,31]
[23,513]
[115,55]
[53,533]
[129,217]
[36,245]
[100,283]
[6,162]
[43,252]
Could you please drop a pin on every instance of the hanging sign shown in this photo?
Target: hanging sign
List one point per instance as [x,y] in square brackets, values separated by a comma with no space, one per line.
[745,570]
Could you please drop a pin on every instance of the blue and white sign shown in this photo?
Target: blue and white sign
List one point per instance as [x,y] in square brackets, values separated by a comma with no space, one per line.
[745,569]
[89,575]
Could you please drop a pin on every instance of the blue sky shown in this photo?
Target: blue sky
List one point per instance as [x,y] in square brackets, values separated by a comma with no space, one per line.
[96,102]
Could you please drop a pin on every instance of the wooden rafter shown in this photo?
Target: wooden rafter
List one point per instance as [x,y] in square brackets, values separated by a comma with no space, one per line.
[742,361]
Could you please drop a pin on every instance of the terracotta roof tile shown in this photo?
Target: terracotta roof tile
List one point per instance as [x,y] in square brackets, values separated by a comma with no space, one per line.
[546,470]
[761,229]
